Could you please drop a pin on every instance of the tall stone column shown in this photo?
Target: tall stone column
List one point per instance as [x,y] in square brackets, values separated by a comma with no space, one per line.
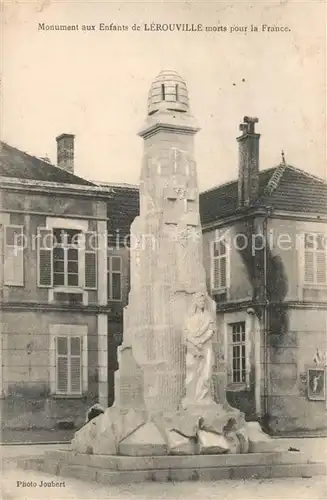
[166,254]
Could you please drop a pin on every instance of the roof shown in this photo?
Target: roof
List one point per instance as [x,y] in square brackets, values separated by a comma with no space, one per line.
[21,165]
[122,208]
[282,188]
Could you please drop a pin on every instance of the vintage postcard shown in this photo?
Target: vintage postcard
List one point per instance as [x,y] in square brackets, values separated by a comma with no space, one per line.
[163,248]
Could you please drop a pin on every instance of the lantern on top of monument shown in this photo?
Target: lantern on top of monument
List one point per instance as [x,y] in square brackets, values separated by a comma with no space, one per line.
[168,92]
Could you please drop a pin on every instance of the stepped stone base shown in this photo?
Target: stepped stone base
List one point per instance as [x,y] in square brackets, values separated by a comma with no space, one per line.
[115,469]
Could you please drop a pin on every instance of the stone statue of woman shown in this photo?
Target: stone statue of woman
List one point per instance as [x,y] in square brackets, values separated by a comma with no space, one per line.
[199,328]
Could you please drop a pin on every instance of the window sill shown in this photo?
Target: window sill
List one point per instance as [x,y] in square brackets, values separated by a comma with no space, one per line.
[68,396]
[311,286]
[237,387]
[68,289]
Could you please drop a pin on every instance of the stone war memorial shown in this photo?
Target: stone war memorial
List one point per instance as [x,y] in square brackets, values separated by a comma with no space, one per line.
[171,419]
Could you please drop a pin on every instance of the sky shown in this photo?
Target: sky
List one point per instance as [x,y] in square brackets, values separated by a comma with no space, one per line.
[95,84]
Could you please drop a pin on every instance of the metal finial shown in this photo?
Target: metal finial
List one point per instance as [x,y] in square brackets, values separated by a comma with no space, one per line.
[283,158]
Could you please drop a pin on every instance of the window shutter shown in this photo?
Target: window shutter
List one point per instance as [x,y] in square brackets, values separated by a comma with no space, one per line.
[222,272]
[308,267]
[62,365]
[321,268]
[45,258]
[216,273]
[220,267]
[114,277]
[75,365]
[214,267]
[14,256]
[91,246]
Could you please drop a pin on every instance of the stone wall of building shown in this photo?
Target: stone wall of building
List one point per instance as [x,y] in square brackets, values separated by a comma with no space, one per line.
[290,408]
[26,370]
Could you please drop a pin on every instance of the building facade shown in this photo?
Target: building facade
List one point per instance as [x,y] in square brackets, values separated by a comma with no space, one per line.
[265,252]
[63,286]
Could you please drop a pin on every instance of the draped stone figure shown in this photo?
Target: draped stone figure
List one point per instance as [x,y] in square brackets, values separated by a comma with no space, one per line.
[199,330]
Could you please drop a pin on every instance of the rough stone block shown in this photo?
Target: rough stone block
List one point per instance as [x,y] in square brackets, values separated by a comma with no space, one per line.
[131,421]
[234,443]
[104,443]
[186,424]
[243,438]
[220,421]
[84,436]
[210,443]
[259,441]
[180,445]
[147,440]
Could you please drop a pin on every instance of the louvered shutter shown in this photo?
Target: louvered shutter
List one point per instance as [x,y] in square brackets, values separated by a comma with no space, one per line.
[114,277]
[321,268]
[215,266]
[91,246]
[14,256]
[308,266]
[216,273]
[222,272]
[75,365]
[45,258]
[62,365]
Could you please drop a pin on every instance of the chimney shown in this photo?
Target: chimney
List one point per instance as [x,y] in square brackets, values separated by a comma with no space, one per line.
[65,152]
[248,176]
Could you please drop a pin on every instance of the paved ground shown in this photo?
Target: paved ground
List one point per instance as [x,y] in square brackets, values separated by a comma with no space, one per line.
[9,436]
[277,489]
[309,489]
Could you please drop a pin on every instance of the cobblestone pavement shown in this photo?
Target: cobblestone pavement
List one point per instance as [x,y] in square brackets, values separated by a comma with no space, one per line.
[289,488]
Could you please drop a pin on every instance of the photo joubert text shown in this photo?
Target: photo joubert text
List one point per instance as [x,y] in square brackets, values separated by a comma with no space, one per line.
[40,484]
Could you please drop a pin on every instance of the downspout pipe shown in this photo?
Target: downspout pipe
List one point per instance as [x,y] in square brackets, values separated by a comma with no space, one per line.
[265,315]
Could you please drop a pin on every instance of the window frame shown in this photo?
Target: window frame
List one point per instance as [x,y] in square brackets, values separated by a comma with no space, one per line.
[230,320]
[68,331]
[78,225]
[241,344]
[66,247]
[15,254]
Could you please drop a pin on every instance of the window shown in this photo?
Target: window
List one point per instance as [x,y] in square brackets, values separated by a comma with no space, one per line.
[114,277]
[67,258]
[315,259]
[14,255]
[219,264]
[163,94]
[68,374]
[68,365]
[237,352]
